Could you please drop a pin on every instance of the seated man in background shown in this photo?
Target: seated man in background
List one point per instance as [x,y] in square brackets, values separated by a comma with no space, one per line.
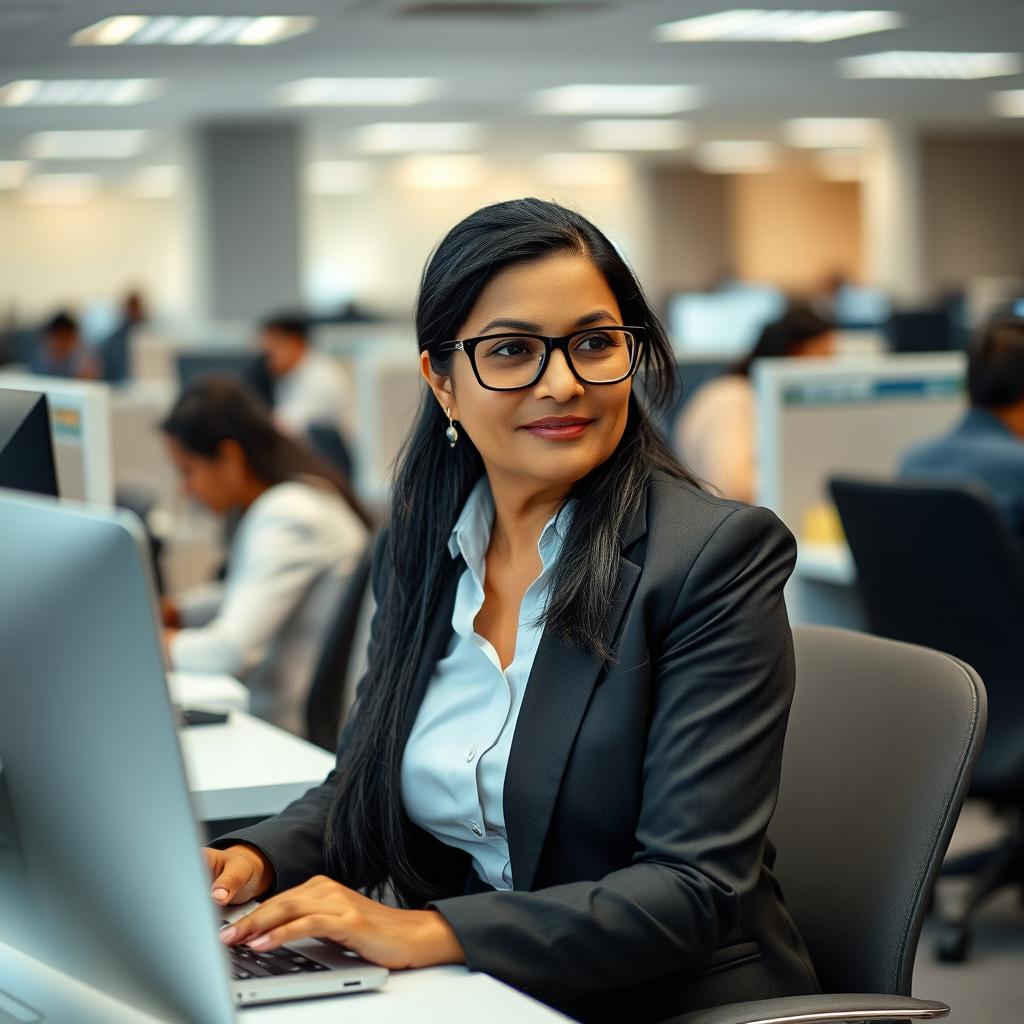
[61,352]
[310,388]
[987,445]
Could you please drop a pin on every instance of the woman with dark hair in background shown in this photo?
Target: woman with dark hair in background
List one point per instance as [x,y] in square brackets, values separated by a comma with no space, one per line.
[716,434]
[301,534]
[566,748]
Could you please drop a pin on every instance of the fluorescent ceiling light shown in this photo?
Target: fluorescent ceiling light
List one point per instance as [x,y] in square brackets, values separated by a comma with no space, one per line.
[778,26]
[431,171]
[443,136]
[736,156]
[1009,103]
[358,92]
[931,65]
[86,145]
[204,30]
[830,132]
[83,92]
[338,177]
[600,170]
[617,99]
[60,188]
[634,134]
[841,165]
[160,181]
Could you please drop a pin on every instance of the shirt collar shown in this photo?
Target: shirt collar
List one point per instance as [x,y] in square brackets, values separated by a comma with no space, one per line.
[471,533]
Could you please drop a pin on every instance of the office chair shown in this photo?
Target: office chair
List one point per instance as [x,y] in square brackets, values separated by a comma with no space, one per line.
[327,690]
[938,566]
[881,742]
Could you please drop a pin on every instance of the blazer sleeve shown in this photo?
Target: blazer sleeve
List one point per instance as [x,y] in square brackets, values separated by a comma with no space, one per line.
[293,841]
[722,681]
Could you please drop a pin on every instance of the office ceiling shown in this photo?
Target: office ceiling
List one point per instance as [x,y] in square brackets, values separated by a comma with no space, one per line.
[492,56]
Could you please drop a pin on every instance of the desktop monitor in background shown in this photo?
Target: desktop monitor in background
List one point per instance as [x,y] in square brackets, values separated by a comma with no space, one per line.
[722,325]
[26,448]
[921,331]
[241,364]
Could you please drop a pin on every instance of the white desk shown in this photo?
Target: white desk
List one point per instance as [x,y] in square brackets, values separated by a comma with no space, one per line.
[247,768]
[445,995]
[207,690]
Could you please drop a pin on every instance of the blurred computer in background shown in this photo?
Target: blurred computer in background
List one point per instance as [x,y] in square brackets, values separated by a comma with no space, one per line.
[26,448]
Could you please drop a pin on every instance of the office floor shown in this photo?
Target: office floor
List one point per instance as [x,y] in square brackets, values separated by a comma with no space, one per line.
[987,989]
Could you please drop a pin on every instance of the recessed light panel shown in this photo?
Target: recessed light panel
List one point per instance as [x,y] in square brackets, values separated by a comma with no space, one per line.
[931,65]
[778,26]
[419,136]
[617,99]
[80,92]
[358,92]
[831,132]
[736,156]
[1009,103]
[200,30]
[86,145]
[634,134]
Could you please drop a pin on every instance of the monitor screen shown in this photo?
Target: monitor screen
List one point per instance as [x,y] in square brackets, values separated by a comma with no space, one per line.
[723,324]
[26,448]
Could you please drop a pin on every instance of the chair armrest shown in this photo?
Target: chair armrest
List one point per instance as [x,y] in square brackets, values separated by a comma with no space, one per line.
[819,1009]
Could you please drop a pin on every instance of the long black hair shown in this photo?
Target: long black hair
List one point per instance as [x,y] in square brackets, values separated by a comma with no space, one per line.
[367,842]
[215,409]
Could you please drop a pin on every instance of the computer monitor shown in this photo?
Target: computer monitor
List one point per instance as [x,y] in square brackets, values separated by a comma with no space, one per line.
[81,431]
[723,324]
[101,871]
[26,448]
[243,364]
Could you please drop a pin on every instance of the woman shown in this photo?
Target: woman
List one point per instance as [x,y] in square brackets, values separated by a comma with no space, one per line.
[716,434]
[301,534]
[566,749]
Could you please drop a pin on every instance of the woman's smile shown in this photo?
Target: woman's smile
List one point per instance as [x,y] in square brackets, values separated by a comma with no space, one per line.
[558,428]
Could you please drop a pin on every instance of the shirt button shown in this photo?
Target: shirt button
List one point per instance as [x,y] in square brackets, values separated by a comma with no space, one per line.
[477,830]
[470,754]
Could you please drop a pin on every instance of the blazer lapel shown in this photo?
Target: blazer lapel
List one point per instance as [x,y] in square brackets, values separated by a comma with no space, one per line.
[557,694]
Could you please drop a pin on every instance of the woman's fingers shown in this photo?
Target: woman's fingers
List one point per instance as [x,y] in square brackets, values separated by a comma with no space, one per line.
[287,907]
[321,926]
[232,876]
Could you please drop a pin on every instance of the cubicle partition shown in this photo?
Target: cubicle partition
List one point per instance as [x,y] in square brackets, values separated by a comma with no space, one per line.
[821,418]
[81,430]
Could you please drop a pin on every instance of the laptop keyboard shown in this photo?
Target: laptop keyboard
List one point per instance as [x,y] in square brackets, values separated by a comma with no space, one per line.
[247,963]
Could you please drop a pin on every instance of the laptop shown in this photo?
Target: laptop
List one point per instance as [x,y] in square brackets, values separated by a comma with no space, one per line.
[101,870]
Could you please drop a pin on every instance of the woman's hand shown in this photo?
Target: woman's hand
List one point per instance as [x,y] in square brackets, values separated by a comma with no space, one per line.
[240,873]
[325,909]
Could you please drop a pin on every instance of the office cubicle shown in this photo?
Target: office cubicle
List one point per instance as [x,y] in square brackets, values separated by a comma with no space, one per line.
[825,417]
[81,429]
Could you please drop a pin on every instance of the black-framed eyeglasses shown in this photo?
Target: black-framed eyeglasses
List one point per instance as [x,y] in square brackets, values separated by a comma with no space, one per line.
[595,355]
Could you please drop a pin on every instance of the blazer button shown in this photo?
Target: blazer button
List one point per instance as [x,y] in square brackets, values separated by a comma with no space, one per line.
[477,830]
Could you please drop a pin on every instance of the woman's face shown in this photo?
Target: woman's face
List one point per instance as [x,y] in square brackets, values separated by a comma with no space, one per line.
[513,430]
[211,481]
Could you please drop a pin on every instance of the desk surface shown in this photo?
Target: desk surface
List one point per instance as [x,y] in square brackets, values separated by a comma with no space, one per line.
[446,995]
[247,768]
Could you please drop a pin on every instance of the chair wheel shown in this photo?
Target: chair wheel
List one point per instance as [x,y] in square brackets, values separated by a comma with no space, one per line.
[953,944]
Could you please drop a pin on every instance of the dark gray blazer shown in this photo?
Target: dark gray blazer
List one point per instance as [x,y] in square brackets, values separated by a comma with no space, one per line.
[637,797]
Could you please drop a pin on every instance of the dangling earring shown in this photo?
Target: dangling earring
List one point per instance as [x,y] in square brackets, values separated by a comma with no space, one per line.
[451,433]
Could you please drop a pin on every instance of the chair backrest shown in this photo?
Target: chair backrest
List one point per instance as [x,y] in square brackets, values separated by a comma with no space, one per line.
[937,566]
[327,690]
[881,743]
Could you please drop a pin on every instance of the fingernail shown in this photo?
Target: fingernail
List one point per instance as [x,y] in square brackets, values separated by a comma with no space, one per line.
[227,934]
[220,895]
[261,943]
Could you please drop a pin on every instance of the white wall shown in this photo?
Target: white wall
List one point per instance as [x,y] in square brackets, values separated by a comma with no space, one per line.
[72,253]
[377,242]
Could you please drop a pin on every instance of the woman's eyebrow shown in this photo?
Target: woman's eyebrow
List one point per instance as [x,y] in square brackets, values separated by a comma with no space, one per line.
[533,328]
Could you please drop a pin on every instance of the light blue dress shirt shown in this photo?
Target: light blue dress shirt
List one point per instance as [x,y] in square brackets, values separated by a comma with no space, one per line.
[453,769]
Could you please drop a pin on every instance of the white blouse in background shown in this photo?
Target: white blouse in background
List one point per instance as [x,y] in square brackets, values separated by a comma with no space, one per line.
[294,549]
[715,437]
[453,769]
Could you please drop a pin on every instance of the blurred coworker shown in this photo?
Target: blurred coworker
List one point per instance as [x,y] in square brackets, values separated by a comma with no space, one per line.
[310,388]
[987,445]
[115,352]
[301,534]
[61,352]
[715,436]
